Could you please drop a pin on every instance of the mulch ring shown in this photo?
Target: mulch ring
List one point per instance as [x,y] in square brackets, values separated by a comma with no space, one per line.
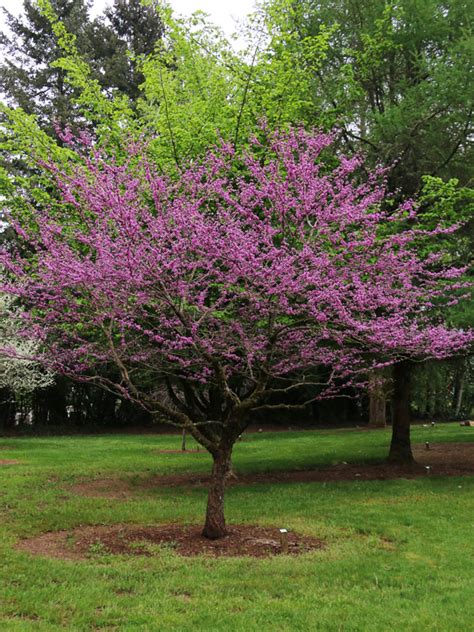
[92,541]
[442,459]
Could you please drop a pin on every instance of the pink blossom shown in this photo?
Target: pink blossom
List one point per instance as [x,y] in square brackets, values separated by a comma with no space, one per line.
[243,270]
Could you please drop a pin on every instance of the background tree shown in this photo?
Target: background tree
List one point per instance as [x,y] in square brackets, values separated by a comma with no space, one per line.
[28,78]
[396,76]
[112,44]
[127,32]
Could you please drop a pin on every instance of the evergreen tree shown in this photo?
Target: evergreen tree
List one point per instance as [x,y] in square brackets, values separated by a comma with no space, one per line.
[28,78]
[127,31]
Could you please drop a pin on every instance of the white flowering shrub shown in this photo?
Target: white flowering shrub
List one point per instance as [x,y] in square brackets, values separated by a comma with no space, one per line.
[19,372]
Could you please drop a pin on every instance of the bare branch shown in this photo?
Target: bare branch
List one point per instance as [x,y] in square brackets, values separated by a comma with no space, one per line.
[244,97]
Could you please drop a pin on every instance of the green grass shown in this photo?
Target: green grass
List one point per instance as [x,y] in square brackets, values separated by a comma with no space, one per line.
[398,553]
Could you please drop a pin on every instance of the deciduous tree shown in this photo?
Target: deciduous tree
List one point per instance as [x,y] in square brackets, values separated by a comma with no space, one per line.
[208,295]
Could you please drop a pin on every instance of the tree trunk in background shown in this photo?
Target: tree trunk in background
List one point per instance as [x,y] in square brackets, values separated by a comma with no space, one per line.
[460,393]
[7,409]
[377,399]
[431,403]
[400,447]
[214,526]
[459,388]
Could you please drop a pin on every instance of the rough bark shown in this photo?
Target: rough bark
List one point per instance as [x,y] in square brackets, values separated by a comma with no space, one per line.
[400,447]
[377,400]
[215,526]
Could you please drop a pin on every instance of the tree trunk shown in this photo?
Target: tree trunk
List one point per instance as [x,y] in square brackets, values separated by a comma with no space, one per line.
[7,409]
[459,389]
[400,447]
[214,527]
[460,393]
[377,400]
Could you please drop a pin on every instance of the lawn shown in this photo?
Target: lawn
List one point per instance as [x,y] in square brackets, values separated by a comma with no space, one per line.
[397,553]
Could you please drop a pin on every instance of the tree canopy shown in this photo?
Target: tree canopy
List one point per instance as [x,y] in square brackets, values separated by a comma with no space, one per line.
[225,286]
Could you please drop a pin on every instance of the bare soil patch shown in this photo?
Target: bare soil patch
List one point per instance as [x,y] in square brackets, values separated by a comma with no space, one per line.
[455,454]
[182,452]
[90,541]
[114,488]
[443,459]
[9,462]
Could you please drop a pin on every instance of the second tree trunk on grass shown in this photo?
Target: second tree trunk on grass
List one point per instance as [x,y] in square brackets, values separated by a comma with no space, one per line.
[400,447]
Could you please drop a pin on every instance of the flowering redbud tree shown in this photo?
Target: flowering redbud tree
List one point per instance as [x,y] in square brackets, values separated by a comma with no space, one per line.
[211,296]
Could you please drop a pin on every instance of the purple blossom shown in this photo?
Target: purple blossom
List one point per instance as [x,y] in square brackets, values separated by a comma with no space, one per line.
[268,270]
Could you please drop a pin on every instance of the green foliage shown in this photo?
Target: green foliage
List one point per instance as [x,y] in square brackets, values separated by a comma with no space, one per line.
[286,64]
[192,91]
[445,203]
[396,77]
[109,115]
[23,144]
